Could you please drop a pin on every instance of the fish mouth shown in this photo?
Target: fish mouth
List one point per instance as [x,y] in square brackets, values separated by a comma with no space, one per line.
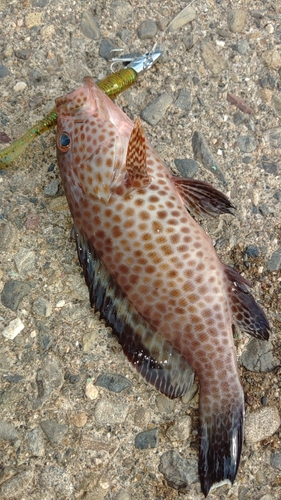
[80,101]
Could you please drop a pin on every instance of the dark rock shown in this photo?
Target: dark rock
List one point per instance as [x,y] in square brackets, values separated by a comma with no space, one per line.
[55,432]
[186,168]
[52,188]
[14,379]
[247,160]
[8,432]
[275,460]
[13,293]
[153,113]
[178,471]
[49,378]
[3,71]
[251,252]
[23,54]
[184,101]
[258,356]
[147,439]
[36,444]
[113,382]
[268,81]
[241,47]
[270,167]
[42,307]
[246,143]
[44,337]
[277,195]
[147,30]
[203,154]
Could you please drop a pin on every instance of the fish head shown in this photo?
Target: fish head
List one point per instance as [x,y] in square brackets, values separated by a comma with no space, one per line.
[92,140]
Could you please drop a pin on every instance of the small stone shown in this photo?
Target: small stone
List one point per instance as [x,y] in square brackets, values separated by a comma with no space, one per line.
[23,54]
[262,424]
[89,26]
[274,137]
[241,47]
[13,329]
[113,382]
[277,195]
[32,221]
[25,261]
[178,471]
[236,20]
[8,432]
[91,391]
[274,263]
[52,188]
[107,413]
[42,307]
[202,153]
[187,15]
[184,101]
[251,252]
[49,378]
[275,460]
[13,293]
[258,356]
[106,47]
[277,103]
[271,167]
[164,404]
[212,58]
[20,87]
[58,204]
[180,429]
[147,30]
[36,443]
[246,143]
[79,419]
[272,59]
[47,32]
[156,110]
[55,432]
[17,486]
[3,71]
[141,417]
[147,439]
[189,395]
[186,168]
[33,19]
[188,41]
[14,379]
[56,480]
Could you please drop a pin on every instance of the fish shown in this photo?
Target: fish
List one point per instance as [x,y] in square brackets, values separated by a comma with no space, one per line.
[153,273]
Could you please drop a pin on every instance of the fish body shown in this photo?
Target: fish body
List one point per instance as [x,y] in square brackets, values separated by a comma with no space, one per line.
[139,246]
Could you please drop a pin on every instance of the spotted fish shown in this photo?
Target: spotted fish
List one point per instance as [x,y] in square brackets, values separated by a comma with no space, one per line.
[153,273]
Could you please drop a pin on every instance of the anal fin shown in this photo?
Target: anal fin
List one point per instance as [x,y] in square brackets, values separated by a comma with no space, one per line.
[152,356]
[247,314]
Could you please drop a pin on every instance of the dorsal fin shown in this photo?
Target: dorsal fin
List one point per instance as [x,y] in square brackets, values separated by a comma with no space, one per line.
[150,354]
[201,197]
[137,176]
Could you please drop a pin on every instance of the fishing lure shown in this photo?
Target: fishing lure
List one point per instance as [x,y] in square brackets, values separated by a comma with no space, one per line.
[112,85]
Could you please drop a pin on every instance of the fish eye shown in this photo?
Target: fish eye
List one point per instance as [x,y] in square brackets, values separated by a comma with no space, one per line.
[64,142]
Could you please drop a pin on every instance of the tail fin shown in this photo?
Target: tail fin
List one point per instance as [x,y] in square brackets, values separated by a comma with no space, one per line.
[221,438]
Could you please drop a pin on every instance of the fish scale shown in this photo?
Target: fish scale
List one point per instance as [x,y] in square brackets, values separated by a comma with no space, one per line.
[130,213]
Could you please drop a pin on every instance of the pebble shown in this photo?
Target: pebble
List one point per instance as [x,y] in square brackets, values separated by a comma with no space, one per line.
[107,413]
[49,378]
[42,307]
[56,480]
[275,460]
[246,143]
[106,47]
[213,60]
[147,439]
[91,391]
[241,47]
[32,221]
[23,54]
[8,432]
[271,167]
[33,19]
[164,404]
[44,337]
[89,338]
[55,432]
[3,71]
[52,188]
[186,16]
[47,32]
[25,261]
[236,20]
[36,443]
[89,26]
[180,429]
[141,417]
[190,394]
[20,87]
[178,471]
[258,356]
[14,379]
[113,382]
[262,424]
[147,30]
[274,137]
[184,101]
[13,329]
[79,419]
[203,154]
[17,486]
[156,110]
[274,263]
[186,168]
[251,252]
[13,293]
[272,59]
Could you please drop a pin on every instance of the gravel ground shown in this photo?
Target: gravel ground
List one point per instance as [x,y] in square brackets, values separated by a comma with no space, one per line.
[75,421]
